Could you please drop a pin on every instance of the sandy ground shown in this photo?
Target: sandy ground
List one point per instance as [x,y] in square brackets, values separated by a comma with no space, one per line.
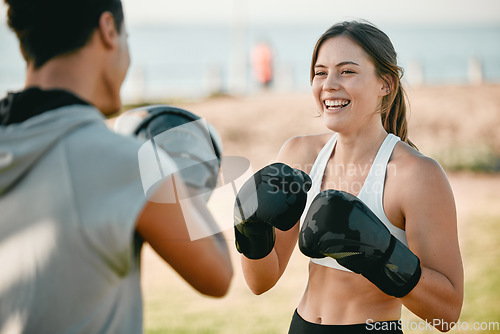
[255,127]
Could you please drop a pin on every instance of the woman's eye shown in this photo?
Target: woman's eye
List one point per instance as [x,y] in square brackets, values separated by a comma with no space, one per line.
[320,73]
[346,72]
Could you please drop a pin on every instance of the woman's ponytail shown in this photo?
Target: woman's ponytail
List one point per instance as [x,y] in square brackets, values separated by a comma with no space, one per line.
[393,113]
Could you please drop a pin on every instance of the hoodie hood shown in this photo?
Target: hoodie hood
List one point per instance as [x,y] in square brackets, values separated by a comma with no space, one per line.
[23,144]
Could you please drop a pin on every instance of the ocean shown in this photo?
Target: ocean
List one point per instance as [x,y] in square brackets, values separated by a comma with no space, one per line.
[196,61]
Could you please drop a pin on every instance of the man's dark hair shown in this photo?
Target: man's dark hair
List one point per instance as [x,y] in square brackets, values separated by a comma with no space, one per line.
[49,28]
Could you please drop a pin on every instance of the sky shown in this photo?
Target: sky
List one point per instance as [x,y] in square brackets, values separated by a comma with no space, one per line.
[307,11]
[312,11]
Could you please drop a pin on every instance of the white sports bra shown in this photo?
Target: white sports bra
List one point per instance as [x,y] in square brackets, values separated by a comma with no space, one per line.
[371,193]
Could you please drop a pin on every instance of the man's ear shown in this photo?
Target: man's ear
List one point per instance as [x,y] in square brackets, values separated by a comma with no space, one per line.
[107,30]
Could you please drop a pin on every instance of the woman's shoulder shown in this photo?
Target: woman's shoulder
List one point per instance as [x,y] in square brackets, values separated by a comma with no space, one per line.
[301,151]
[412,179]
[412,167]
[406,155]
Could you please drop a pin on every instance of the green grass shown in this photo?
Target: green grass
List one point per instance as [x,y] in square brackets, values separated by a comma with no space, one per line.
[481,254]
[171,306]
[482,284]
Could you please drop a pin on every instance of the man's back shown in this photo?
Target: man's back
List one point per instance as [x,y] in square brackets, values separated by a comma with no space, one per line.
[72,205]
[71,258]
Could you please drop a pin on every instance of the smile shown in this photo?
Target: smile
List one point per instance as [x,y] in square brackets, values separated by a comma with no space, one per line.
[336,104]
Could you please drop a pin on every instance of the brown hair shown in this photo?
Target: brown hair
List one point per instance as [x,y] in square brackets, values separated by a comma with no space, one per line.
[50,28]
[379,48]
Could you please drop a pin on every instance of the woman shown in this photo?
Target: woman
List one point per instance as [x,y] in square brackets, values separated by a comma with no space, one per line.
[356,85]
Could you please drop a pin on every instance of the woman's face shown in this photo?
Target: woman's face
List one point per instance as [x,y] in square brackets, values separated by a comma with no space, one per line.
[346,87]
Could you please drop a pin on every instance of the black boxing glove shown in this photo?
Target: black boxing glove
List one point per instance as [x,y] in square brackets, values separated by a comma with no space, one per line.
[275,196]
[339,225]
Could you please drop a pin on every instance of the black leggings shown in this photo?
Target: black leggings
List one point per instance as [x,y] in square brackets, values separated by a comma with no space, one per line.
[301,326]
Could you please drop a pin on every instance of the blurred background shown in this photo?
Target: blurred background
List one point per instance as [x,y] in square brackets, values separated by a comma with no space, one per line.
[195,49]
[244,66]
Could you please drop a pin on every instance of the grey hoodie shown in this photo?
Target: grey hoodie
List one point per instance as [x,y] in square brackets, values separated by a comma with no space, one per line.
[70,194]
[22,144]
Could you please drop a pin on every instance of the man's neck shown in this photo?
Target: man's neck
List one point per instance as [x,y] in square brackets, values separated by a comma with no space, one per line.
[66,73]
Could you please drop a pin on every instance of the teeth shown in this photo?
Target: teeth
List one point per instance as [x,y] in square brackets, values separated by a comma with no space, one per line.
[336,103]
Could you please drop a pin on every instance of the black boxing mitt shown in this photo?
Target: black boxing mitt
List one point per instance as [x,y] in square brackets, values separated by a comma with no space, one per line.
[192,143]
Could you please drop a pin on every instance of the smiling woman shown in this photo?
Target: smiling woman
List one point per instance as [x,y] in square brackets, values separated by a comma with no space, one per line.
[373,248]
[360,56]
[343,63]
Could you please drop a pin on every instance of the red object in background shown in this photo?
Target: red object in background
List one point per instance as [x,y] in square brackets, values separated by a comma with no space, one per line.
[262,59]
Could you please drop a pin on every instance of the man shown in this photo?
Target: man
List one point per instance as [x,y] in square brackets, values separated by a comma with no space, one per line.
[73,211]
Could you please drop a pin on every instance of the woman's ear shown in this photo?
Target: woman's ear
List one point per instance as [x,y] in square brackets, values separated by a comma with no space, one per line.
[387,85]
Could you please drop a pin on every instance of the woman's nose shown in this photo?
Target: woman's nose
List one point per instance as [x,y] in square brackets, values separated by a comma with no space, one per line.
[331,83]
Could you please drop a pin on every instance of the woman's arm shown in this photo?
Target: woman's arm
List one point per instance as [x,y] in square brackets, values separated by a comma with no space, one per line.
[261,275]
[428,206]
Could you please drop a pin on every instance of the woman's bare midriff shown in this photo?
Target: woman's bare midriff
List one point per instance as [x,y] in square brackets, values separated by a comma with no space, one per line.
[337,297]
